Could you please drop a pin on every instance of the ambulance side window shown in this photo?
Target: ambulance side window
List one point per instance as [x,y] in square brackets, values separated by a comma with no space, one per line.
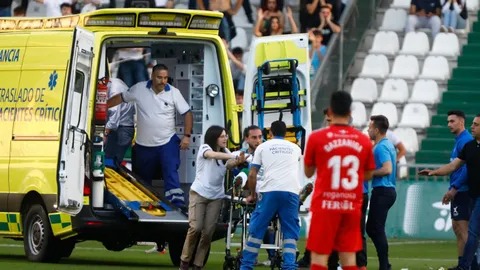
[79,81]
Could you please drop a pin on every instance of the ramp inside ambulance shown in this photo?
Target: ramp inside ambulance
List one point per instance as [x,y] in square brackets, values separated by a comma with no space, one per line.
[134,200]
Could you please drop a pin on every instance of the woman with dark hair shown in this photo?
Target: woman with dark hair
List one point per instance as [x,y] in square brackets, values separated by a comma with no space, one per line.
[206,194]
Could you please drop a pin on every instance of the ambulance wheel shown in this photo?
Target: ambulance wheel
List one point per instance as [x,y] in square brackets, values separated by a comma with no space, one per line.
[39,243]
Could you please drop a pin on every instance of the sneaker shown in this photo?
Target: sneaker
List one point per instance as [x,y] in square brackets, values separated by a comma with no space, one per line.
[451,29]
[443,28]
[266,263]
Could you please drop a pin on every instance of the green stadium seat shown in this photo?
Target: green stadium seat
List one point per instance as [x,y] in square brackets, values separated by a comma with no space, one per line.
[437,144]
[433,157]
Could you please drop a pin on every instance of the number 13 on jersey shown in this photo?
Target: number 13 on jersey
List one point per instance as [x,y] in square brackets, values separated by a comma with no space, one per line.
[351,164]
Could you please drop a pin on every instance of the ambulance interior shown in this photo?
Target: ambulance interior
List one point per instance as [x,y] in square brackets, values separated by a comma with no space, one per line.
[194,69]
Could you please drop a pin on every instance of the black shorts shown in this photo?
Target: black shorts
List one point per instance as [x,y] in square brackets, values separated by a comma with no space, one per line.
[461,206]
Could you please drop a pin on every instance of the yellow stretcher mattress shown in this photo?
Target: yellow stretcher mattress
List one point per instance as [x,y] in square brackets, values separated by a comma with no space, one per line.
[129,192]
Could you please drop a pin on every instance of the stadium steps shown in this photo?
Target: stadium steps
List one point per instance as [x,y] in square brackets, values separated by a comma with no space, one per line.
[462,93]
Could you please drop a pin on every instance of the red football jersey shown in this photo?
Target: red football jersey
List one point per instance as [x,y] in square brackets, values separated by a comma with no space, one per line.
[341,155]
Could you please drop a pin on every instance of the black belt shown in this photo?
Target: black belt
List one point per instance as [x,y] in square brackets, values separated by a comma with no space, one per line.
[126,126]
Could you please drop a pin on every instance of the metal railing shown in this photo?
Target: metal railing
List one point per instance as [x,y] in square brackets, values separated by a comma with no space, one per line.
[356,19]
[414,169]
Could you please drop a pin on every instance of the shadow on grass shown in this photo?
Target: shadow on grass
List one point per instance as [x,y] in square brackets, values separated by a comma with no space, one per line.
[64,263]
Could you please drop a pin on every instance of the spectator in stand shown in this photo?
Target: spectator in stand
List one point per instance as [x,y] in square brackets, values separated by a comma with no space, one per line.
[19,11]
[454,14]
[276,26]
[424,13]
[317,50]
[132,68]
[265,14]
[328,26]
[66,9]
[309,15]
[139,3]
[89,6]
[164,3]
[52,7]
[237,67]
[227,26]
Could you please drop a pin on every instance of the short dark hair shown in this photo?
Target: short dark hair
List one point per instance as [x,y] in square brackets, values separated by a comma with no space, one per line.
[380,122]
[317,33]
[458,113]
[237,50]
[211,136]
[340,103]
[325,111]
[66,5]
[279,128]
[478,115]
[159,67]
[246,131]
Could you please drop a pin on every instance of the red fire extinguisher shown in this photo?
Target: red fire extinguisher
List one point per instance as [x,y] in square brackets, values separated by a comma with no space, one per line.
[101,107]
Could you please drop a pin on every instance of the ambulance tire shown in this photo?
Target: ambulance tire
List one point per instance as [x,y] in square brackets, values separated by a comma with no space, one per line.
[175,250]
[39,243]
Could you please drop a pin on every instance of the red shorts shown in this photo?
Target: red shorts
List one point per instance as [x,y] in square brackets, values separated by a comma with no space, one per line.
[334,231]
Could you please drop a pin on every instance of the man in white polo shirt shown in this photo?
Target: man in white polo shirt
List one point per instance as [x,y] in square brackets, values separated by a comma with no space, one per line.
[157,145]
[278,194]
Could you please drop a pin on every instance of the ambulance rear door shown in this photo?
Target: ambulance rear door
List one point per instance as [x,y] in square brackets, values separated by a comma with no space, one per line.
[71,167]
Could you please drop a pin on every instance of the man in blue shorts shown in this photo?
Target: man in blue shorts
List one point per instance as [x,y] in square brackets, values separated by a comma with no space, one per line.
[457,194]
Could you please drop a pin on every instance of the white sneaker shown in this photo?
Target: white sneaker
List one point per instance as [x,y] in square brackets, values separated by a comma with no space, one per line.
[443,29]
[154,249]
[451,29]
[267,263]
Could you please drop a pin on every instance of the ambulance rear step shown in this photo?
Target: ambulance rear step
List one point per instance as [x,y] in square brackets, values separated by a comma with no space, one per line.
[136,202]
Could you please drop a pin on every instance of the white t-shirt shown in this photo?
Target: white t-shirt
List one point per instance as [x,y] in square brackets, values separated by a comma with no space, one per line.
[209,175]
[155,112]
[244,176]
[281,162]
[392,137]
[52,7]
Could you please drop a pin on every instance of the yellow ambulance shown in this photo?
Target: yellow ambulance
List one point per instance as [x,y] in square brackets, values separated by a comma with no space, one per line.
[51,72]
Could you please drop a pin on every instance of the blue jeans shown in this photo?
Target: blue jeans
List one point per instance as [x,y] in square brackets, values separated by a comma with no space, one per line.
[473,235]
[6,12]
[132,72]
[450,19]
[148,160]
[269,204]
[118,142]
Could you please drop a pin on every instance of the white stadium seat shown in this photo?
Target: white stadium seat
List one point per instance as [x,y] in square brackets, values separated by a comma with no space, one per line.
[394,90]
[385,42]
[364,90]
[436,68]
[394,20]
[415,43]
[388,109]
[446,44]
[240,40]
[415,115]
[409,138]
[375,66]
[472,5]
[425,91]
[359,114]
[401,4]
[405,67]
